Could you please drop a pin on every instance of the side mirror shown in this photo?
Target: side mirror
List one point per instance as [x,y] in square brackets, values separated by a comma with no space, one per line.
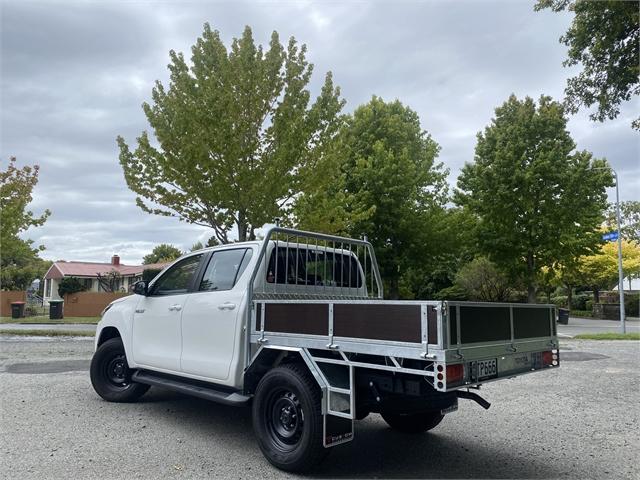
[140,288]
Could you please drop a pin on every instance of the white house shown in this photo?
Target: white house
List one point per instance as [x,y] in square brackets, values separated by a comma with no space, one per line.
[630,284]
[88,272]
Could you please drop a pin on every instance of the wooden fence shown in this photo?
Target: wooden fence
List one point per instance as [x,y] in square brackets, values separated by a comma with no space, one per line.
[6,297]
[88,304]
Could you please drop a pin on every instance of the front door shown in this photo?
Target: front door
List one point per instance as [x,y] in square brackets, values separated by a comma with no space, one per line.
[156,321]
[210,317]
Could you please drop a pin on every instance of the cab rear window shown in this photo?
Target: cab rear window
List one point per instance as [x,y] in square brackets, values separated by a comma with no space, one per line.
[301,266]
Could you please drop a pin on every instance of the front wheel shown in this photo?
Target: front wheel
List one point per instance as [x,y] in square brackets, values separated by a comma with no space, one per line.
[111,376]
[413,422]
[287,418]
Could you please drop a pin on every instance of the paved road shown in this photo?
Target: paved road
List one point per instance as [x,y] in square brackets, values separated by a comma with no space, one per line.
[580,421]
[590,325]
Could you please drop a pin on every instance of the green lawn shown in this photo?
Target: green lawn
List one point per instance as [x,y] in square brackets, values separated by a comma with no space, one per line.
[608,336]
[45,333]
[45,319]
[581,313]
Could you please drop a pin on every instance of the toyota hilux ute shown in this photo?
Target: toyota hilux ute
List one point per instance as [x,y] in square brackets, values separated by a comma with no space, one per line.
[296,326]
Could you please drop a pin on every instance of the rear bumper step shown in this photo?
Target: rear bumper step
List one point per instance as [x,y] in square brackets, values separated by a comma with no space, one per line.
[475,397]
[207,393]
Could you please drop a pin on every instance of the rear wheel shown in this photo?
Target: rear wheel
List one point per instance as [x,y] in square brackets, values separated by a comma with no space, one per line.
[413,422]
[287,418]
[111,376]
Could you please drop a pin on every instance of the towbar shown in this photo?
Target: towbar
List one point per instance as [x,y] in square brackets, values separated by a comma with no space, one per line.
[475,397]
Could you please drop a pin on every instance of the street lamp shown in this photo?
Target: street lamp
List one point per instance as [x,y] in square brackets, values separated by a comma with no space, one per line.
[620,274]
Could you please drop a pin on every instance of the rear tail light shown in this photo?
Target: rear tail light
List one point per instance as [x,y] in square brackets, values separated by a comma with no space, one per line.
[455,373]
[547,358]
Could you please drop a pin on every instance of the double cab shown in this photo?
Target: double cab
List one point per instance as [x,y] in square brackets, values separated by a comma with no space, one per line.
[295,326]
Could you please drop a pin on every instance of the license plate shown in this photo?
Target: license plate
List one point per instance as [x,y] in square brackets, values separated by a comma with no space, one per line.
[485,369]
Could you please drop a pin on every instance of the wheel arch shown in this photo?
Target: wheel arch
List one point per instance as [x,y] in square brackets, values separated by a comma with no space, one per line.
[107,333]
[270,357]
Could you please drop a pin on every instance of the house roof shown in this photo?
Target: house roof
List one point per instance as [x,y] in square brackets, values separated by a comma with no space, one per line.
[62,269]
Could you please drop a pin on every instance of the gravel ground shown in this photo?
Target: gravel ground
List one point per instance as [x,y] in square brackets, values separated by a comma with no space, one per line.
[580,421]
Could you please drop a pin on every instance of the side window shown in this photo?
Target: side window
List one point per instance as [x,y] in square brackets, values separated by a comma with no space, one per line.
[176,280]
[224,268]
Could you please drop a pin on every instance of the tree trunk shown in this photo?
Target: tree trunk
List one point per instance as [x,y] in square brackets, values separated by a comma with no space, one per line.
[569,296]
[531,293]
[531,287]
[394,288]
[242,227]
[596,295]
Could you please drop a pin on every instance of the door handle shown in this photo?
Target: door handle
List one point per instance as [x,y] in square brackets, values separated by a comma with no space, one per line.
[176,307]
[227,306]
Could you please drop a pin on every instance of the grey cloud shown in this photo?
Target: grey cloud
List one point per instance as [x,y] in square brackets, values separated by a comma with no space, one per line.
[74,75]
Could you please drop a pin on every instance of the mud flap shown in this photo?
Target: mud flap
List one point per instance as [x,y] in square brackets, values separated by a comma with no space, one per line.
[337,430]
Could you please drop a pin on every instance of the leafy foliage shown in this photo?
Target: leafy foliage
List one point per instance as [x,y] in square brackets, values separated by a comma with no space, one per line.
[600,270]
[453,292]
[483,281]
[605,39]
[632,304]
[19,263]
[233,130]
[212,242]
[162,253]
[381,180]
[69,285]
[629,219]
[537,201]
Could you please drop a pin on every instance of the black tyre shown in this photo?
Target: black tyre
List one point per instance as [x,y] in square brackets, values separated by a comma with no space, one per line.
[111,376]
[287,418]
[413,422]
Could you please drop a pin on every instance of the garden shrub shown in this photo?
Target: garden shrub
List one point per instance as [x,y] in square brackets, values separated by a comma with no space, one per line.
[631,304]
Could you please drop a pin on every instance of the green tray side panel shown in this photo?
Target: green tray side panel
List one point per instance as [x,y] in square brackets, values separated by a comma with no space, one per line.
[484,324]
[531,322]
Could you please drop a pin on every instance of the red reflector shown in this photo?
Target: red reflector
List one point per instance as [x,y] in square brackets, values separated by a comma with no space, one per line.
[547,358]
[455,373]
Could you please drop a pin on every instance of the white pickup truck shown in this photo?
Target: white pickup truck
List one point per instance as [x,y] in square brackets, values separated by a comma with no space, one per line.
[296,326]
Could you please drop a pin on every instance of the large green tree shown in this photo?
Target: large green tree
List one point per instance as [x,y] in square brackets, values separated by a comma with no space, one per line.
[162,253]
[605,39]
[232,131]
[538,201]
[381,180]
[19,262]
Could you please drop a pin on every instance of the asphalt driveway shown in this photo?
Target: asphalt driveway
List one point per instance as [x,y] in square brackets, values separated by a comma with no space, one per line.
[577,326]
[579,421]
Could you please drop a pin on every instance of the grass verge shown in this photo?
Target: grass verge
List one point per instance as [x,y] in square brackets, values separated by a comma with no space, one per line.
[581,313]
[608,336]
[45,333]
[46,321]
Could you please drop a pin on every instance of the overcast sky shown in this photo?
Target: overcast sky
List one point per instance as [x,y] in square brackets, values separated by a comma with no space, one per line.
[74,76]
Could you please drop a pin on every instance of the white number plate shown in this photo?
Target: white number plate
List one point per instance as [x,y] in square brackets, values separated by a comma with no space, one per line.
[485,368]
